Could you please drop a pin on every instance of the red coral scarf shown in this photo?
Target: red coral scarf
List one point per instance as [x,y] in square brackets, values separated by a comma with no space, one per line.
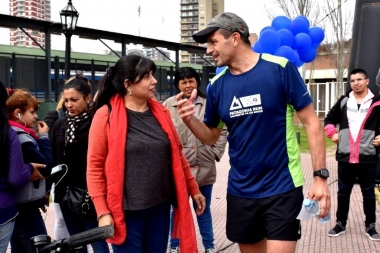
[26,129]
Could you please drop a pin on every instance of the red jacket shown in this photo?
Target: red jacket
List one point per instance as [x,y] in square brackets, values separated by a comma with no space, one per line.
[106,167]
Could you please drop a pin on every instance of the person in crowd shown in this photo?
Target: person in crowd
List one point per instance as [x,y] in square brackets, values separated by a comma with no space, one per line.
[70,143]
[21,109]
[201,157]
[14,174]
[136,167]
[255,97]
[60,229]
[358,115]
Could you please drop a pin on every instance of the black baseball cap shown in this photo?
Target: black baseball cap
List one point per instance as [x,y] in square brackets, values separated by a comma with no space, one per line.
[228,21]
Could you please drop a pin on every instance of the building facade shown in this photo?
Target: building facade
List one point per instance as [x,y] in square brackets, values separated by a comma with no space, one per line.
[34,9]
[157,55]
[195,15]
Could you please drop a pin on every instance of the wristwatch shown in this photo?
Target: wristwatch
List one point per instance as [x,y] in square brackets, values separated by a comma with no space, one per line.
[323,173]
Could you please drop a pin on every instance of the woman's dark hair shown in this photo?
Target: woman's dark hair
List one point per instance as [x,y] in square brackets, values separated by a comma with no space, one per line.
[187,72]
[4,128]
[79,83]
[129,67]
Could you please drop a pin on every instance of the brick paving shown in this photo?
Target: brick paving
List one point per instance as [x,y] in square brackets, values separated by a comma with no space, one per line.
[314,235]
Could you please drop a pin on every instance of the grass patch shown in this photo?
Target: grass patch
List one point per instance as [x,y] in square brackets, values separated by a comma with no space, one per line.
[304,145]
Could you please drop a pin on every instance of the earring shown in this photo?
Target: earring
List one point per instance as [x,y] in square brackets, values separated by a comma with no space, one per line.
[130,93]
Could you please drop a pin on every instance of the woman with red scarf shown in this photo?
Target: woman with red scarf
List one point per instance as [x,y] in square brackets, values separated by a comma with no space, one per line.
[21,109]
[135,165]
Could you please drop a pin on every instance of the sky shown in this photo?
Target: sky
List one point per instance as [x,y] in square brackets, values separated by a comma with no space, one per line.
[159,19]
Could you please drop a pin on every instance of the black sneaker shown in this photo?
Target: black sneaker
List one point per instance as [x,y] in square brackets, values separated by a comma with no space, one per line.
[371,233]
[338,230]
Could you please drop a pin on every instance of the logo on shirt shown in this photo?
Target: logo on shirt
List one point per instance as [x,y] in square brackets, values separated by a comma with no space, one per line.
[245,105]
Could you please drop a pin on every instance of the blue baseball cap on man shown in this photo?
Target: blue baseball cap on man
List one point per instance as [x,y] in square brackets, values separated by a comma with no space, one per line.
[228,21]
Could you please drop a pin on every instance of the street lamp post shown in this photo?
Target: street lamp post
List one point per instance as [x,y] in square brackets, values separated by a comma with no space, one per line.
[69,18]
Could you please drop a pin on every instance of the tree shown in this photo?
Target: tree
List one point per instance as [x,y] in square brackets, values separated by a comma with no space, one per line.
[337,42]
[294,8]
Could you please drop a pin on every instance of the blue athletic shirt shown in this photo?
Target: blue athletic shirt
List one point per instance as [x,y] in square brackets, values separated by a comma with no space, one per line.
[257,107]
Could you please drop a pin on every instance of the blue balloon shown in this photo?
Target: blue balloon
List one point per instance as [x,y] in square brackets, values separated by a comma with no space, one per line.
[304,18]
[287,52]
[301,42]
[219,69]
[286,37]
[269,41]
[299,25]
[281,22]
[267,28]
[308,55]
[296,58]
[257,48]
[316,34]
[298,63]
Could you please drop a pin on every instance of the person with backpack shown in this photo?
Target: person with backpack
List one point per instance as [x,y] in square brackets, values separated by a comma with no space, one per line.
[21,109]
[358,115]
[14,174]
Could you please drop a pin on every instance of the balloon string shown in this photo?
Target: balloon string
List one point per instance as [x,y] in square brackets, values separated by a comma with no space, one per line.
[331,12]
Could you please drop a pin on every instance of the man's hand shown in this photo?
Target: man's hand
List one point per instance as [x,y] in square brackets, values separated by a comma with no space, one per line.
[376,141]
[335,138]
[201,203]
[186,106]
[320,192]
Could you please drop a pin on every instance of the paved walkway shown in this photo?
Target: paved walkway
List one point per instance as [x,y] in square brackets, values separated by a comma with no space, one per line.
[314,234]
[314,238]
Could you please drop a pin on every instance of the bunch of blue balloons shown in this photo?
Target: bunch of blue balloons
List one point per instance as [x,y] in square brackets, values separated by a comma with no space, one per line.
[292,39]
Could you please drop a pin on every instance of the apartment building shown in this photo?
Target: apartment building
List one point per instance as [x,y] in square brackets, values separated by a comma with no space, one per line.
[157,55]
[34,9]
[195,15]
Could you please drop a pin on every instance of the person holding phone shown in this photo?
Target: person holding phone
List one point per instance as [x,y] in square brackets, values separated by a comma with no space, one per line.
[21,109]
